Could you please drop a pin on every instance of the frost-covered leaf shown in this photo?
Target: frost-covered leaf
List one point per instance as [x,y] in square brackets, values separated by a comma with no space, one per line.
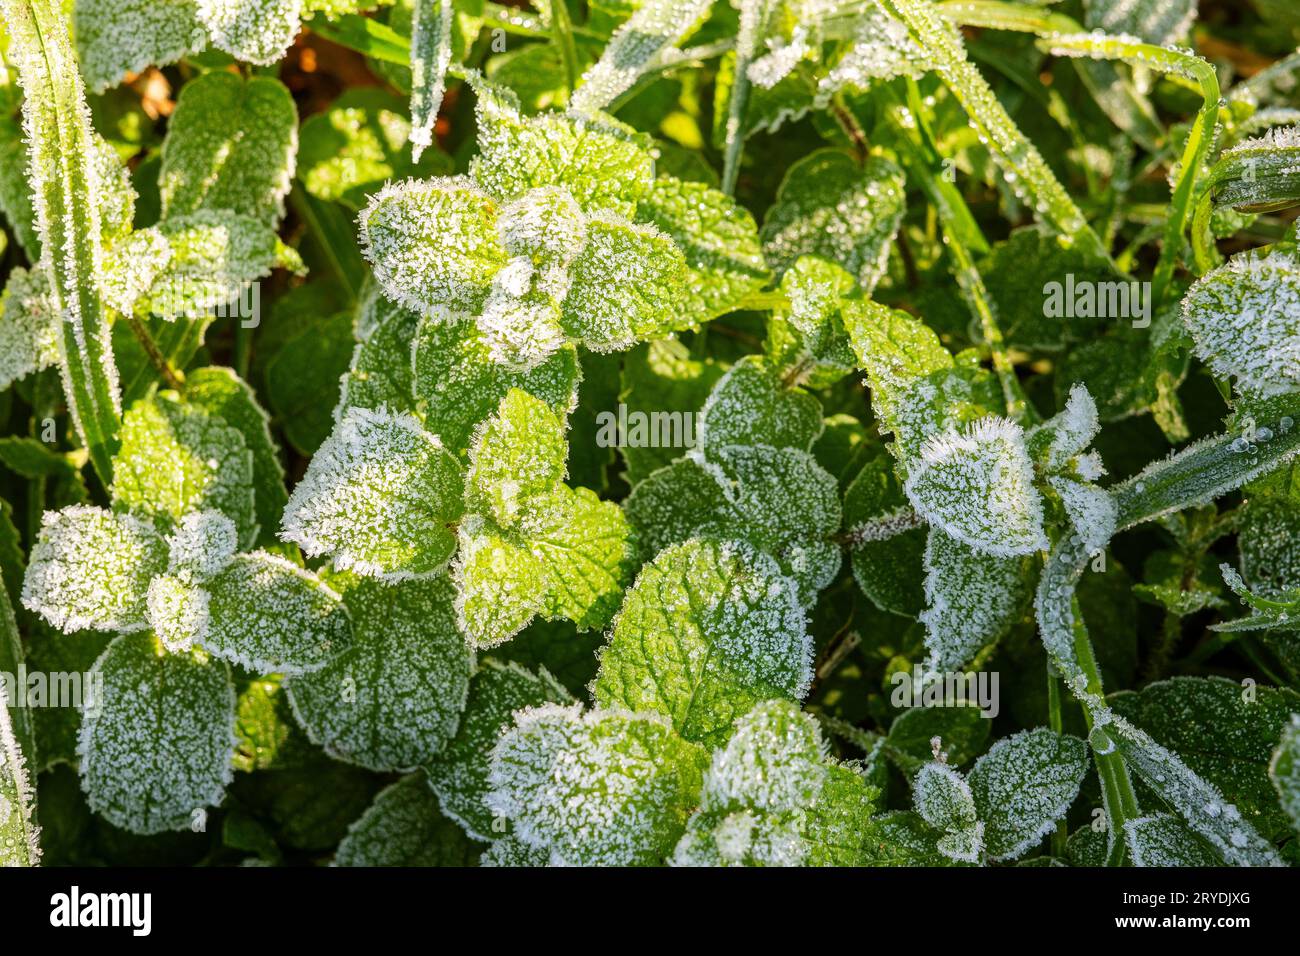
[598,161]
[809,336]
[708,630]
[724,258]
[256,31]
[1023,785]
[977,485]
[231,144]
[158,749]
[500,585]
[831,207]
[944,800]
[516,459]
[1092,511]
[888,539]
[777,499]
[29,326]
[1224,735]
[392,699]
[176,458]
[116,37]
[91,568]
[750,405]
[19,834]
[202,545]
[458,385]
[358,144]
[595,788]
[1284,771]
[221,392]
[380,496]
[1243,319]
[459,775]
[191,265]
[624,286]
[15,189]
[510,851]
[772,798]
[1165,840]
[1157,21]
[379,375]
[404,828]
[1071,432]
[431,27]
[178,612]
[433,244]
[644,41]
[267,614]
[902,838]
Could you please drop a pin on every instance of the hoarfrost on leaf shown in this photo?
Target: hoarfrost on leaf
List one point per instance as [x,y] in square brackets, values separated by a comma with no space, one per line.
[380,496]
[116,37]
[202,545]
[751,405]
[1092,511]
[1165,840]
[431,25]
[29,326]
[256,31]
[708,630]
[91,568]
[404,828]
[944,800]
[1284,770]
[161,742]
[977,485]
[601,788]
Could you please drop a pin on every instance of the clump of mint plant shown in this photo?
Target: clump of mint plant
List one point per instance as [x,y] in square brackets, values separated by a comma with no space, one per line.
[663,433]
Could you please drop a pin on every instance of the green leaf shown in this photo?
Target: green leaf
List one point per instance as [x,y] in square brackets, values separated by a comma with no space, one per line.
[1242,317]
[1284,771]
[431,28]
[176,458]
[380,373]
[257,31]
[66,659]
[459,775]
[158,749]
[771,798]
[29,327]
[944,800]
[91,568]
[500,585]
[1224,733]
[962,731]
[19,834]
[595,788]
[392,699]
[978,486]
[351,149]
[302,380]
[458,385]
[750,405]
[267,614]
[832,208]
[15,189]
[1165,840]
[661,378]
[708,630]
[598,161]
[624,286]
[231,144]
[433,244]
[380,497]
[221,392]
[516,459]
[511,851]
[902,838]
[1023,785]
[116,37]
[404,828]
[887,539]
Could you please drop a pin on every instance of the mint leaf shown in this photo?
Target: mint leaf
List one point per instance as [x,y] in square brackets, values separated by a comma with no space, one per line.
[944,800]
[708,630]
[1023,785]
[257,31]
[750,405]
[1165,840]
[380,496]
[459,775]
[231,144]
[517,458]
[392,699]
[29,327]
[116,37]
[887,538]
[158,749]
[91,568]
[404,828]
[1284,771]
[595,788]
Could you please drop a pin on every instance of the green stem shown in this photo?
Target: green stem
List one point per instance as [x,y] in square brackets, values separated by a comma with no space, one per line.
[172,378]
[1056,721]
[562,35]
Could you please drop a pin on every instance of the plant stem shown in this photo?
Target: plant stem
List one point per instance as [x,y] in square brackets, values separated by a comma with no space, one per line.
[173,379]
[562,34]
[1056,722]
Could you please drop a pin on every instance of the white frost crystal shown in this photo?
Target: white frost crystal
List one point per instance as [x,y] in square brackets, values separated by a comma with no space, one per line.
[944,800]
[202,544]
[257,31]
[1074,428]
[29,326]
[178,612]
[977,485]
[602,788]
[91,568]
[1244,318]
